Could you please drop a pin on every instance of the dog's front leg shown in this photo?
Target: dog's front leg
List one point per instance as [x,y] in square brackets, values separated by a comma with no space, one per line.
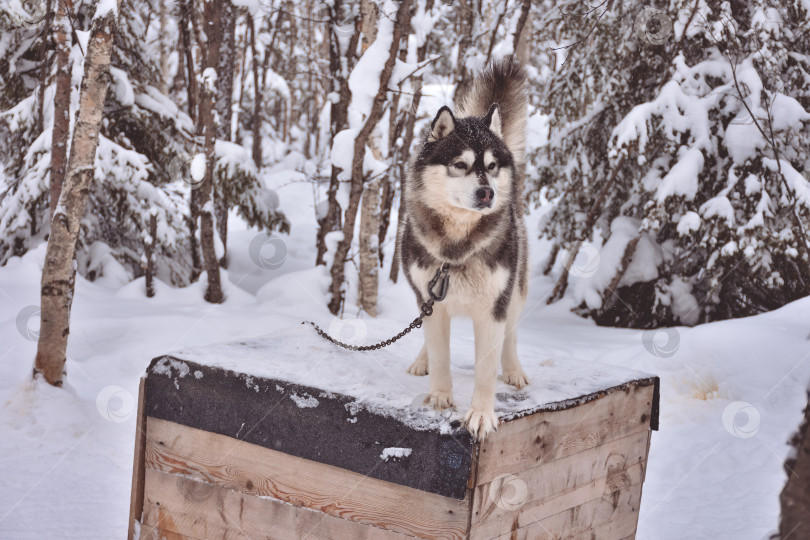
[489,335]
[437,343]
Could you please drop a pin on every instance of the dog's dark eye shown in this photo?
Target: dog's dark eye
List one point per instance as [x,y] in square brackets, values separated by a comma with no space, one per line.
[460,165]
[492,166]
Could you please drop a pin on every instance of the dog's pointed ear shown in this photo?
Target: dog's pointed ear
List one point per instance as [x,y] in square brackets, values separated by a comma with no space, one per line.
[493,120]
[442,125]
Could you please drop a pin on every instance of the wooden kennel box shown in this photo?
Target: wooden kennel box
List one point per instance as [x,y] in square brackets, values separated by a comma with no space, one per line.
[232,445]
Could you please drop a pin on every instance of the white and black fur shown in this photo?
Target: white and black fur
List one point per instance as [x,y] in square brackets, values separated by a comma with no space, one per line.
[462,206]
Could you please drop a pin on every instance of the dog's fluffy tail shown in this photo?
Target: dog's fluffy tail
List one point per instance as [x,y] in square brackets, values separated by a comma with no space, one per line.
[503,82]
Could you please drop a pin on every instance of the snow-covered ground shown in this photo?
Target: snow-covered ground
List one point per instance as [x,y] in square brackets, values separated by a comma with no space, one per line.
[732,392]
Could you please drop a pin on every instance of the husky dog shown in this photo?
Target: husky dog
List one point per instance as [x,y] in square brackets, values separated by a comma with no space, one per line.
[462,207]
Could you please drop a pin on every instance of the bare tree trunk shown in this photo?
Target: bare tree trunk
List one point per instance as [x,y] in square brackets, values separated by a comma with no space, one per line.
[338,270]
[61,105]
[313,99]
[407,141]
[239,81]
[552,258]
[58,272]
[521,44]
[368,254]
[523,33]
[466,22]
[368,9]
[225,71]
[338,117]
[257,96]
[289,71]
[331,221]
[164,47]
[494,32]
[184,18]
[396,122]
[206,128]
[44,67]
[180,76]
[562,283]
[395,261]
[389,190]
[369,258]
[150,256]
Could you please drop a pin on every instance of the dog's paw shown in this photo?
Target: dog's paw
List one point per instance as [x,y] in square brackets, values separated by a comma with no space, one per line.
[480,422]
[517,379]
[419,367]
[440,400]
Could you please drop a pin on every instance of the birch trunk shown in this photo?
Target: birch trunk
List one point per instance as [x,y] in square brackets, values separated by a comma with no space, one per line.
[61,105]
[368,254]
[369,249]
[369,9]
[58,272]
[207,130]
[523,33]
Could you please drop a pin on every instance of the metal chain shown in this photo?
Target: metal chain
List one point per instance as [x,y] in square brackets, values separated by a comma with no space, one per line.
[425,310]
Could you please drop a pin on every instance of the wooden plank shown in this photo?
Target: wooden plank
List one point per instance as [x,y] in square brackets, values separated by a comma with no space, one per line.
[255,470]
[136,497]
[155,533]
[527,442]
[641,489]
[649,441]
[181,505]
[611,517]
[554,505]
[540,492]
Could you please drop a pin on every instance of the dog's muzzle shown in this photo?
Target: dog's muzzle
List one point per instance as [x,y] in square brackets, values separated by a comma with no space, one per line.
[484,197]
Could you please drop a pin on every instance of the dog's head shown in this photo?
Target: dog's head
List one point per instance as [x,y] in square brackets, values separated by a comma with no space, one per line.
[465,163]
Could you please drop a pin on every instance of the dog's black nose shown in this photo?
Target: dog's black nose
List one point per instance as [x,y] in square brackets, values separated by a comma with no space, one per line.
[485,194]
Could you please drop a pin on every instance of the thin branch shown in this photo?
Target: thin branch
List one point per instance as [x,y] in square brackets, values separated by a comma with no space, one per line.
[688,22]
[414,73]
[574,45]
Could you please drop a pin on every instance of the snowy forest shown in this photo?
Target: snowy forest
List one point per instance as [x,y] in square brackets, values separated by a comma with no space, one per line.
[192,171]
[676,156]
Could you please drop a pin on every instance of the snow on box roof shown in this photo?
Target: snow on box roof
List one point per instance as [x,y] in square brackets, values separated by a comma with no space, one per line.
[378,381]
